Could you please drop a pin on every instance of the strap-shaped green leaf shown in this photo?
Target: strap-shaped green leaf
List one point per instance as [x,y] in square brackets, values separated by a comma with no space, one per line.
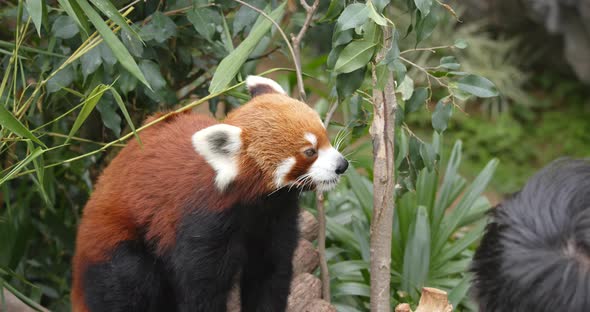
[113,42]
[74,11]
[34,154]
[8,121]
[38,12]
[121,104]
[108,9]
[89,104]
[454,218]
[417,254]
[231,64]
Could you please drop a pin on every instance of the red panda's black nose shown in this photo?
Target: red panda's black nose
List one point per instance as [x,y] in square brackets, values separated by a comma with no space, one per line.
[342,166]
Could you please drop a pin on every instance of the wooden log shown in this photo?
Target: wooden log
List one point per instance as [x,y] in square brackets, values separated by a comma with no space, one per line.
[404,307]
[318,305]
[431,300]
[308,225]
[434,300]
[304,288]
[306,258]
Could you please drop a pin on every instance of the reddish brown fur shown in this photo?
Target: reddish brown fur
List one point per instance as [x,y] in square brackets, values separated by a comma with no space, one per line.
[145,187]
[274,127]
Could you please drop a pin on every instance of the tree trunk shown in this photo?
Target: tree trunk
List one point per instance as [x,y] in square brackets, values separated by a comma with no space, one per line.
[382,133]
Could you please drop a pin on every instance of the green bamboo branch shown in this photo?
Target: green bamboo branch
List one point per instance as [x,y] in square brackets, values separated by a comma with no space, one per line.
[153,122]
[10,45]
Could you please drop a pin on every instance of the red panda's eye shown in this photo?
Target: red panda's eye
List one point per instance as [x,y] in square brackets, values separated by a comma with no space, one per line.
[310,152]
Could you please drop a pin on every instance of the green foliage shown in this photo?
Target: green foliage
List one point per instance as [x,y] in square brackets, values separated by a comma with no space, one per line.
[523,146]
[230,65]
[429,248]
[70,59]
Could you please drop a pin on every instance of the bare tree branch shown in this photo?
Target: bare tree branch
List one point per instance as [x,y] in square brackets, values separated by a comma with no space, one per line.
[305,5]
[297,41]
[324,273]
[382,133]
[330,114]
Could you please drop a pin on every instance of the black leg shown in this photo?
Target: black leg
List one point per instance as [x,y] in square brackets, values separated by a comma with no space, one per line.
[206,259]
[132,280]
[266,276]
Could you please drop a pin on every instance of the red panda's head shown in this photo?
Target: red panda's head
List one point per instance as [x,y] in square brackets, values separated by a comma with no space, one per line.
[276,135]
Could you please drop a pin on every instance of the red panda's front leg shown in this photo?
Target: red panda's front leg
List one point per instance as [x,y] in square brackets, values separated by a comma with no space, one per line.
[267,272]
[204,261]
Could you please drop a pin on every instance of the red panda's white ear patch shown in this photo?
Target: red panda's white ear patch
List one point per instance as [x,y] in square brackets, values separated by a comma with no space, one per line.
[259,85]
[220,146]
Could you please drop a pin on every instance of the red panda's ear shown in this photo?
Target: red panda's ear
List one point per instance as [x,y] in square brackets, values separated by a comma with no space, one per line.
[259,85]
[220,145]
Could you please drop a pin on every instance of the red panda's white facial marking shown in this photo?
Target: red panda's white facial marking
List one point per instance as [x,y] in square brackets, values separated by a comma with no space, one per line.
[326,170]
[282,170]
[312,139]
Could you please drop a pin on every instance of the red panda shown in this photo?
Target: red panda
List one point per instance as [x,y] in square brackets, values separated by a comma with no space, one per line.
[172,224]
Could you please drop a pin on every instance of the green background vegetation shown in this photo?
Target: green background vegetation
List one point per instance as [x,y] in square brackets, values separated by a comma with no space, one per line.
[78,92]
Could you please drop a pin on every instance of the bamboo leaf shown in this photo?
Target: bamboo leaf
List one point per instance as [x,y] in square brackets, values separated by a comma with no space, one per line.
[38,12]
[231,64]
[89,104]
[108,9]
[123,108]
[34,154]
[8,121]
[39,164]
[74,11]
[113,42]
